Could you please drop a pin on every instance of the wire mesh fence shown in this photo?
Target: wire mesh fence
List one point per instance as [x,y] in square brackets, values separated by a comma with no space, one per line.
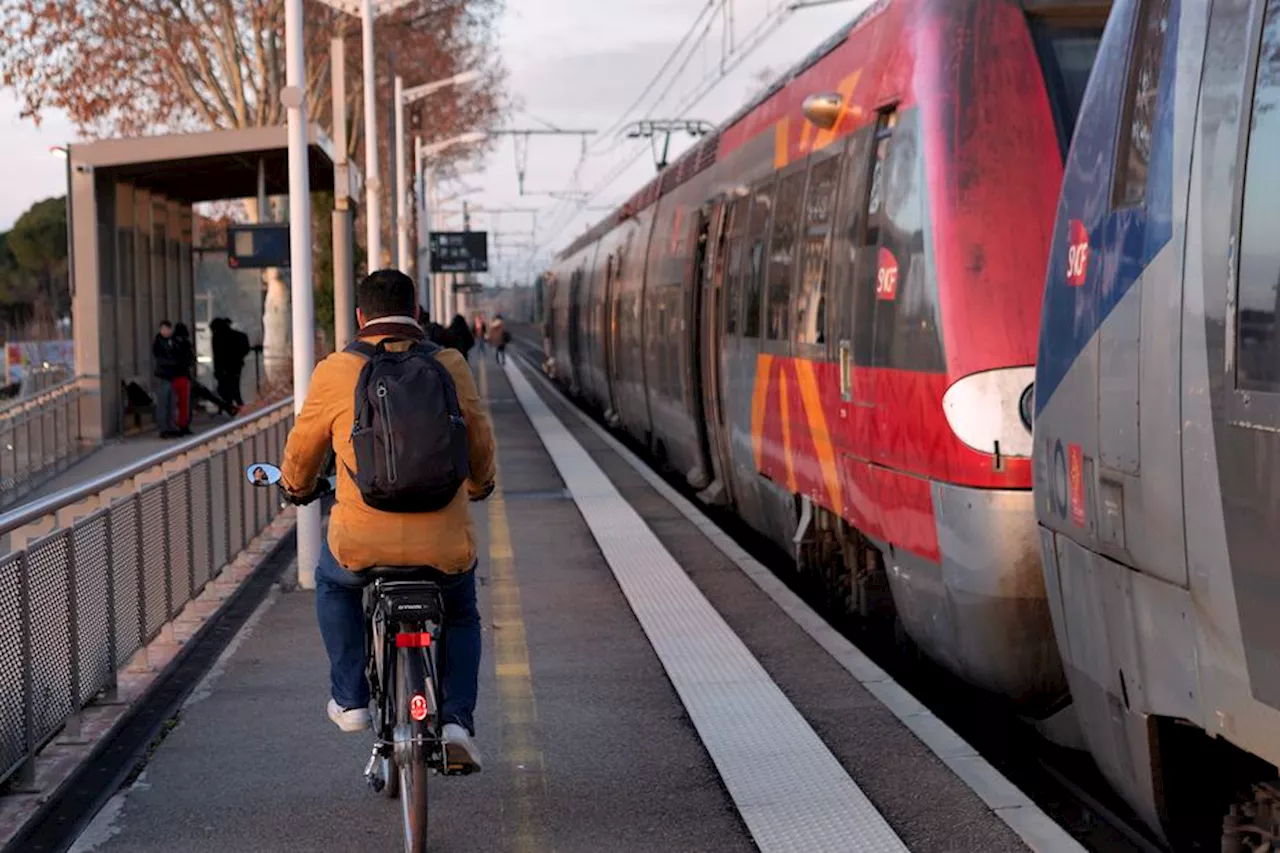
[80,602]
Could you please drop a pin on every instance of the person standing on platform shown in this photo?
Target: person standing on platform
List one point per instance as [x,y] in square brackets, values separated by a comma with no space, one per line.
[164,360]
[498,338]
[459,336]
[185,352]
[230,349]
[479,328]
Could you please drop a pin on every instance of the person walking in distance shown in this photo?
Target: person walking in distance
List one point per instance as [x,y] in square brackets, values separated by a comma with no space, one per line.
[479,328]
[230,349]
[498,338]
[166,367]
[399,504]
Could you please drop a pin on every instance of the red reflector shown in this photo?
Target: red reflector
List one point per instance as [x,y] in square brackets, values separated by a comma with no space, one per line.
[413,641]
[418,707]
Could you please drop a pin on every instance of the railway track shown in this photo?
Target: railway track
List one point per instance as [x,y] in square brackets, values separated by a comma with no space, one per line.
[1065,784]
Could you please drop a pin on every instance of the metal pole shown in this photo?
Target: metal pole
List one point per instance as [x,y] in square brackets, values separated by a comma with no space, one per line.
[373,213]
[420,203]
[263,215]
[304,322]
[432,204]
[344,312]
[402,183]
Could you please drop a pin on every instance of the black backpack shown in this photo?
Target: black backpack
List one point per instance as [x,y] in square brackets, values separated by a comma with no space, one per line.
[409,438]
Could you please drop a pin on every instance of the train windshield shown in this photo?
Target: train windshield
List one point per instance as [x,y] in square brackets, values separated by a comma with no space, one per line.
[1066,55]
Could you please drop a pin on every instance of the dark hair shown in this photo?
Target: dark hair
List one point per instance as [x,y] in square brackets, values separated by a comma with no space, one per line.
[384,293]
[164,323]
[181,331]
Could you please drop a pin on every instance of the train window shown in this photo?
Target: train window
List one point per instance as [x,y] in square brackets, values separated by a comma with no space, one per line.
[895,297]
[1067,54]
[811,299]
[754,262]
[1257,330]
[866,267]
[736,227]
[782,251]
[1138,119]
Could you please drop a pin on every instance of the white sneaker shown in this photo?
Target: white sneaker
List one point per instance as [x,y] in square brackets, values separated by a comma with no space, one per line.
[461,755]
[352,720]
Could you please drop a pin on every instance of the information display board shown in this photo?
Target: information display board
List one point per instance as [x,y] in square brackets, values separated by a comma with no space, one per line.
[258,246]
[459,251]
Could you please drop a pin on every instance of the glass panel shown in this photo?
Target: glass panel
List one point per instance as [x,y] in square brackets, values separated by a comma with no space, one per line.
[1134,154]
[1258,336]
[906,295]
[757,236]
[786,226]
[1067,55]
[866,264]
[736,228]
[811,299]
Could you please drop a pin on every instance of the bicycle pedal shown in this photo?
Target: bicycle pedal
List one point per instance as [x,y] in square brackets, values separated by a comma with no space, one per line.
[459,769]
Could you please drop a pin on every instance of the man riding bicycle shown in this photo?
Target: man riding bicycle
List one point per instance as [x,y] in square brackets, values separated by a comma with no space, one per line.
[361,536]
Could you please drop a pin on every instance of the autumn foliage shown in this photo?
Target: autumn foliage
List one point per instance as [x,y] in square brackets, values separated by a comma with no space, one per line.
[129,67]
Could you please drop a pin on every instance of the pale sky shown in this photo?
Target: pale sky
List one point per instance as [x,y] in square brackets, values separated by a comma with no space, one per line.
[574,63]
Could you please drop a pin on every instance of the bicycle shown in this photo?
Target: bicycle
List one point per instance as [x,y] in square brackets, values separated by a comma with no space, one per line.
[404,627]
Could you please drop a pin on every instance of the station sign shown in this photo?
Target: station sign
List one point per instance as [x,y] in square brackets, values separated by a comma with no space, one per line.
[258,246]
[468,287]
[459,251]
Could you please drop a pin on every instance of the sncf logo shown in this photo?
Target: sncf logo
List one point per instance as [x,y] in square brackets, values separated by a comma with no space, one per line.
[887,276]
[1077,253]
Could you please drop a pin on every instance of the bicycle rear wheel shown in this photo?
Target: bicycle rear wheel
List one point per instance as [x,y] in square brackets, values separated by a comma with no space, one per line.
[413,805]
[413,754]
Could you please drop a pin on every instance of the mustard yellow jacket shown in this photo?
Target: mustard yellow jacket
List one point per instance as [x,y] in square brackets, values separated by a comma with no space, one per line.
[360,536]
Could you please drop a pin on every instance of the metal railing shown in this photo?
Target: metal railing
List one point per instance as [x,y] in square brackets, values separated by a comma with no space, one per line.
[39,438]
[126,553]
[37,380]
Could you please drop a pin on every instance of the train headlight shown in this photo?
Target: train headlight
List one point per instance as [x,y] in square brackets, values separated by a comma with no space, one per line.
[993,409]
[1027,407]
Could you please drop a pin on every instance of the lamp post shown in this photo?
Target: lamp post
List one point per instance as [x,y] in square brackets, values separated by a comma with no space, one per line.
[426,212]
[294,98]
[403,98]
[368,10]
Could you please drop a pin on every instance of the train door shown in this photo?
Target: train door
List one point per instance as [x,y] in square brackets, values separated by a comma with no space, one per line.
[709,282]
[872,277]
[575,330]
[608,333]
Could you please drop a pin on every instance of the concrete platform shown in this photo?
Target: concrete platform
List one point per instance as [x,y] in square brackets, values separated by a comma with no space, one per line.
[603,712]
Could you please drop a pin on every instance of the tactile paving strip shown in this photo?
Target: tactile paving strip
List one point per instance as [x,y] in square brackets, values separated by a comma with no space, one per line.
[790,790]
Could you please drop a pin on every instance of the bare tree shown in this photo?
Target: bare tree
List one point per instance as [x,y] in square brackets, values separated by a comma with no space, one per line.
[127,67]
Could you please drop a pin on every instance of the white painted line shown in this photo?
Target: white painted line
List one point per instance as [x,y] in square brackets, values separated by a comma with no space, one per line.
[1036,829]
[790,790]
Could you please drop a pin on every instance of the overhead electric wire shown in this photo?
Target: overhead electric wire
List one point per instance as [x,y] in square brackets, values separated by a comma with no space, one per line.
[753,40]
[710,5]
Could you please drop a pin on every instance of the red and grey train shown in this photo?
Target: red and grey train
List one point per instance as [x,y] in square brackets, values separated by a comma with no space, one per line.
[825,315]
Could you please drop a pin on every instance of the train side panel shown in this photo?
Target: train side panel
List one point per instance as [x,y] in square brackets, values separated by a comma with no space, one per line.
[1154,481]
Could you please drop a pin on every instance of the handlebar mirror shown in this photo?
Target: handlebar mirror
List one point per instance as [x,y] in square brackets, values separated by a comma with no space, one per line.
[262,474]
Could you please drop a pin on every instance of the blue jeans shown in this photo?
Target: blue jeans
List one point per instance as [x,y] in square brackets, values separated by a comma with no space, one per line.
[166,406]
[340,612]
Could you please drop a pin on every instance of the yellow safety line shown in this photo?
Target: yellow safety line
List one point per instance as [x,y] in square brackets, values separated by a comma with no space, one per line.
[522,762]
